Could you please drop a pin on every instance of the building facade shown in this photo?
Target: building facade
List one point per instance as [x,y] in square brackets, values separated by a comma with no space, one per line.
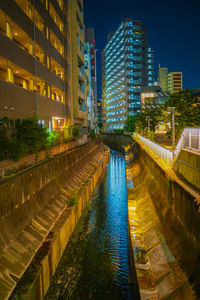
[163,78]
[38,54]
[127,66]
[90,93]
[33,61]
[78,80]
[175,82]
[90,39]
[153,96]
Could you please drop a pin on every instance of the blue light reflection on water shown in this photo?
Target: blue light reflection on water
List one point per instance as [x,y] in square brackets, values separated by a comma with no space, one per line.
[105,265]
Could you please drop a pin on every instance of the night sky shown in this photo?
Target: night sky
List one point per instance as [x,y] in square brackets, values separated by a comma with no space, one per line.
[173,31]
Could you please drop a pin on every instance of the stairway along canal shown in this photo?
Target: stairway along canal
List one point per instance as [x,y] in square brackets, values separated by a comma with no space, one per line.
[95,264]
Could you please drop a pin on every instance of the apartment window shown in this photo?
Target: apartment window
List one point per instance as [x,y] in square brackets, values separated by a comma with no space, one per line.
[9,30]
[10,75]
[31,84]
[47,33]
[41,24]
[48,62]
[30,11]
[49,91]
[30,48]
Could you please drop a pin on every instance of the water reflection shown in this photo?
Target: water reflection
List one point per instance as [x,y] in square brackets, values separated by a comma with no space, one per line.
[100,259]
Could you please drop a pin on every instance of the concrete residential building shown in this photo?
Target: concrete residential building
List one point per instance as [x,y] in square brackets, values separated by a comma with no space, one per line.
[78,79]
[153,96]
[175,82]
[90,38]
[34,76]
[163,78]
[89,93]
[127,66]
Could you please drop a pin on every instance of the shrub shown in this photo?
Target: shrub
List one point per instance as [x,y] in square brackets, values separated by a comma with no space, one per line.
[75,131]
[92,133]
[119,131]
[32,134]
[73,199]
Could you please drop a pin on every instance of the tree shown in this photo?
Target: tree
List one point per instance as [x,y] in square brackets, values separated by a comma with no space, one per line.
[155,116]
[187,109]
[130,124]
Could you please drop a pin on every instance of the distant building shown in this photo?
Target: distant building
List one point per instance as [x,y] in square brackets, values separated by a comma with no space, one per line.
[127,66]
[76,34]
[163,78]
[89,90]
[175,82]
[90,38]
[153,96]
[99,111]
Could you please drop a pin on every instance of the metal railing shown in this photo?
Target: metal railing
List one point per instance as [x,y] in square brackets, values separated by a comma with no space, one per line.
[189,140]
[162,152]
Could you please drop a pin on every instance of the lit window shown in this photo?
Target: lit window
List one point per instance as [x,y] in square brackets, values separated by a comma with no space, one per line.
[10,75]
[48,63]
[30,11]
[9,30]
[31,84]
[30,48]
[47,4]
[49,91]
[47,33]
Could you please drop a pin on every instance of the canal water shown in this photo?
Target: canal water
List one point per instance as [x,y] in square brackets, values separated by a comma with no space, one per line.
[95,265]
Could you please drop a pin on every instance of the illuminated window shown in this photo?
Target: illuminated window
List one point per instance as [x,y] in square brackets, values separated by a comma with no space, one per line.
[10,75]
[9,30]
[31,84]
[30,48]
[49,91]
[29,11]
[40,24]
[47,33]
[47,4]
[48,63]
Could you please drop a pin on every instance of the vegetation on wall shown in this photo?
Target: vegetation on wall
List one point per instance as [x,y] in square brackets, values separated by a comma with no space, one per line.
[29,137]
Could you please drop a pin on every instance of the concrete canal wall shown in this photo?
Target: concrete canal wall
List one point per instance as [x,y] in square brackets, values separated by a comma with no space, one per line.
[164,229]
[39,210]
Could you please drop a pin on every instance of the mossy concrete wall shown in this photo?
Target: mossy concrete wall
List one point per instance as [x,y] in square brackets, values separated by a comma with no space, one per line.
[36,220]
[188,166]
[175,194]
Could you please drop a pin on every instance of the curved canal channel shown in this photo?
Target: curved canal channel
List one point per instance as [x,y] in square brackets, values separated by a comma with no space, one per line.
[95,264]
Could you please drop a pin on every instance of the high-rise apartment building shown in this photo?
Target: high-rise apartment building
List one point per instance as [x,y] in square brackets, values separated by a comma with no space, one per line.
[89,93]
[41,59]
[175,82]
[90,38]
[78,79]
[33,61]
[163,78]
[127,66]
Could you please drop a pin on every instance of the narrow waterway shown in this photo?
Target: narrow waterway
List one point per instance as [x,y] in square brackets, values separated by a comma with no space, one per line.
[95,265]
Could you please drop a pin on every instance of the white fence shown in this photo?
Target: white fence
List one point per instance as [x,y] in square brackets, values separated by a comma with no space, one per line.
[190,140]
[162,152]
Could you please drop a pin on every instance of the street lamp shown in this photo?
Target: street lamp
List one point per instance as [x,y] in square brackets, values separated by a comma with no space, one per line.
[172,108]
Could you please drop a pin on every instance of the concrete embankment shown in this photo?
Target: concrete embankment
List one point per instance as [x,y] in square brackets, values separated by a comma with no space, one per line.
[39,210]
[164,225]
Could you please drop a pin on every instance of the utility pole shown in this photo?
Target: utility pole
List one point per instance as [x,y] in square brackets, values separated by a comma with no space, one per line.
[173,125]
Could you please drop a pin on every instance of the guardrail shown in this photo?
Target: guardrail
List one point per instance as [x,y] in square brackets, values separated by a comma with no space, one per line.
[189,140]
[165,154]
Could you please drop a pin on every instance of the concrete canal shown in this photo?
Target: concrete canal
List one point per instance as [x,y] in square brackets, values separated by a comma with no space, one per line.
[95,264]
